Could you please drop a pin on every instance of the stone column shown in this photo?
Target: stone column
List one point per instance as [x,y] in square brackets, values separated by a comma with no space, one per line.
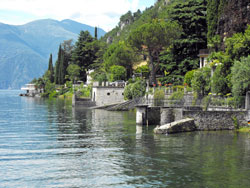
[247,106]
[74,99]
[167,115]
[141,114]
[247,101]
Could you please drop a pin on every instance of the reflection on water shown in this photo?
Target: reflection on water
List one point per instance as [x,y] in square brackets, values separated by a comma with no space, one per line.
[46,143]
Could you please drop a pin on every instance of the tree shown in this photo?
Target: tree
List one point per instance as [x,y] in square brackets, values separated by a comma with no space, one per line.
[188,77]
[57,67]
[84,54]
[152,38]
[96,36]
[119,54]
[212,17]
[73,72]
[51,69]
[183,56]
[61,66]
[201,81]
[240,76]
[117,73]
[238,45]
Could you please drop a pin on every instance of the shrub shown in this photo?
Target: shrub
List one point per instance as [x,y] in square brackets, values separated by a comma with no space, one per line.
[188,77]
[178,95]
[240,77]
[128,92]
[135,90]
[220,83]
[205,102]
[117,73]
[86,91]
[201,81]
[159,96]
[144,70]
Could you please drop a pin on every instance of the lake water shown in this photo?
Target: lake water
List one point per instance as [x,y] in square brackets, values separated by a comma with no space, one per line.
[47,143]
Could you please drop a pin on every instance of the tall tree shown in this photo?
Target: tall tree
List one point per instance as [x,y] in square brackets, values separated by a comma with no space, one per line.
[119,54]
[51,69]
[96,33]
[84,53]
[183,57]
[152,38]
[58,61]
[61,67]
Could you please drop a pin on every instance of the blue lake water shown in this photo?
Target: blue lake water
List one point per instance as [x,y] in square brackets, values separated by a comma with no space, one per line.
[47,143]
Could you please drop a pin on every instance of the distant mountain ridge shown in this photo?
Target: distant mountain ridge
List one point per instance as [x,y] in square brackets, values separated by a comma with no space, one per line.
[25,49]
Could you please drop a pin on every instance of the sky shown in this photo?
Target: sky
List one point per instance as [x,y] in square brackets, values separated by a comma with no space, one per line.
[101,13]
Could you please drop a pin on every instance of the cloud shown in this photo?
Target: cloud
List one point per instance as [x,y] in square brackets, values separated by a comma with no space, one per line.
[104,14]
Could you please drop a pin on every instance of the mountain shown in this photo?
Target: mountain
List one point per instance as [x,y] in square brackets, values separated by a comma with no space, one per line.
[25,49]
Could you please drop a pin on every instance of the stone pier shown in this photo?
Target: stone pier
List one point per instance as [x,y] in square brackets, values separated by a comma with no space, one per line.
[141,114]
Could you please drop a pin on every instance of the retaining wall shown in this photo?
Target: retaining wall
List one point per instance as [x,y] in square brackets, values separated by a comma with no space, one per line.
[217,120]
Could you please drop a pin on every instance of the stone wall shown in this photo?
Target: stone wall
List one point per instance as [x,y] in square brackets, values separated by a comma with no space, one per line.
[83,102]
[217,120]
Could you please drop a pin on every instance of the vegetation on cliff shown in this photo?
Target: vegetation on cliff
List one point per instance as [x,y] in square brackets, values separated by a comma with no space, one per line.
[168,37]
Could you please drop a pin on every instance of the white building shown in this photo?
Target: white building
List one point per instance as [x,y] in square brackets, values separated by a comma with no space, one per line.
[31,90]
[106,94]
[203,54]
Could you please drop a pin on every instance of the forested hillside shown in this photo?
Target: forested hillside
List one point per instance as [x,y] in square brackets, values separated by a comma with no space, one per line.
[183,55]
[162,44]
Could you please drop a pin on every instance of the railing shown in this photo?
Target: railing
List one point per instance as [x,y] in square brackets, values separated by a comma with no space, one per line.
[213,102]
[162,102]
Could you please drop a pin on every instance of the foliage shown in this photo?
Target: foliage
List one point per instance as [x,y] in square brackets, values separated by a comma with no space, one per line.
[85,91]
[152,38]
[201,81]
[240,76]
[182,57]
[219,81]
[205,102]
[84,53]
[117,73]
[143,70]
[177,95]
[49,89]
[51,69]
[135,90]
[59,67]
[236,122]
[212,17]
[235,102]
[215,9]
[159,96]
[188,77]
[99,75]
[73,72]
[238,45]
[119,54]
[128,92]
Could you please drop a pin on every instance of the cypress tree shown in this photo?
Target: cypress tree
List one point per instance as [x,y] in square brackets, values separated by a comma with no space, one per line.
[58,65]
[212,18]
[95,33]
[61,74]
[51,69]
